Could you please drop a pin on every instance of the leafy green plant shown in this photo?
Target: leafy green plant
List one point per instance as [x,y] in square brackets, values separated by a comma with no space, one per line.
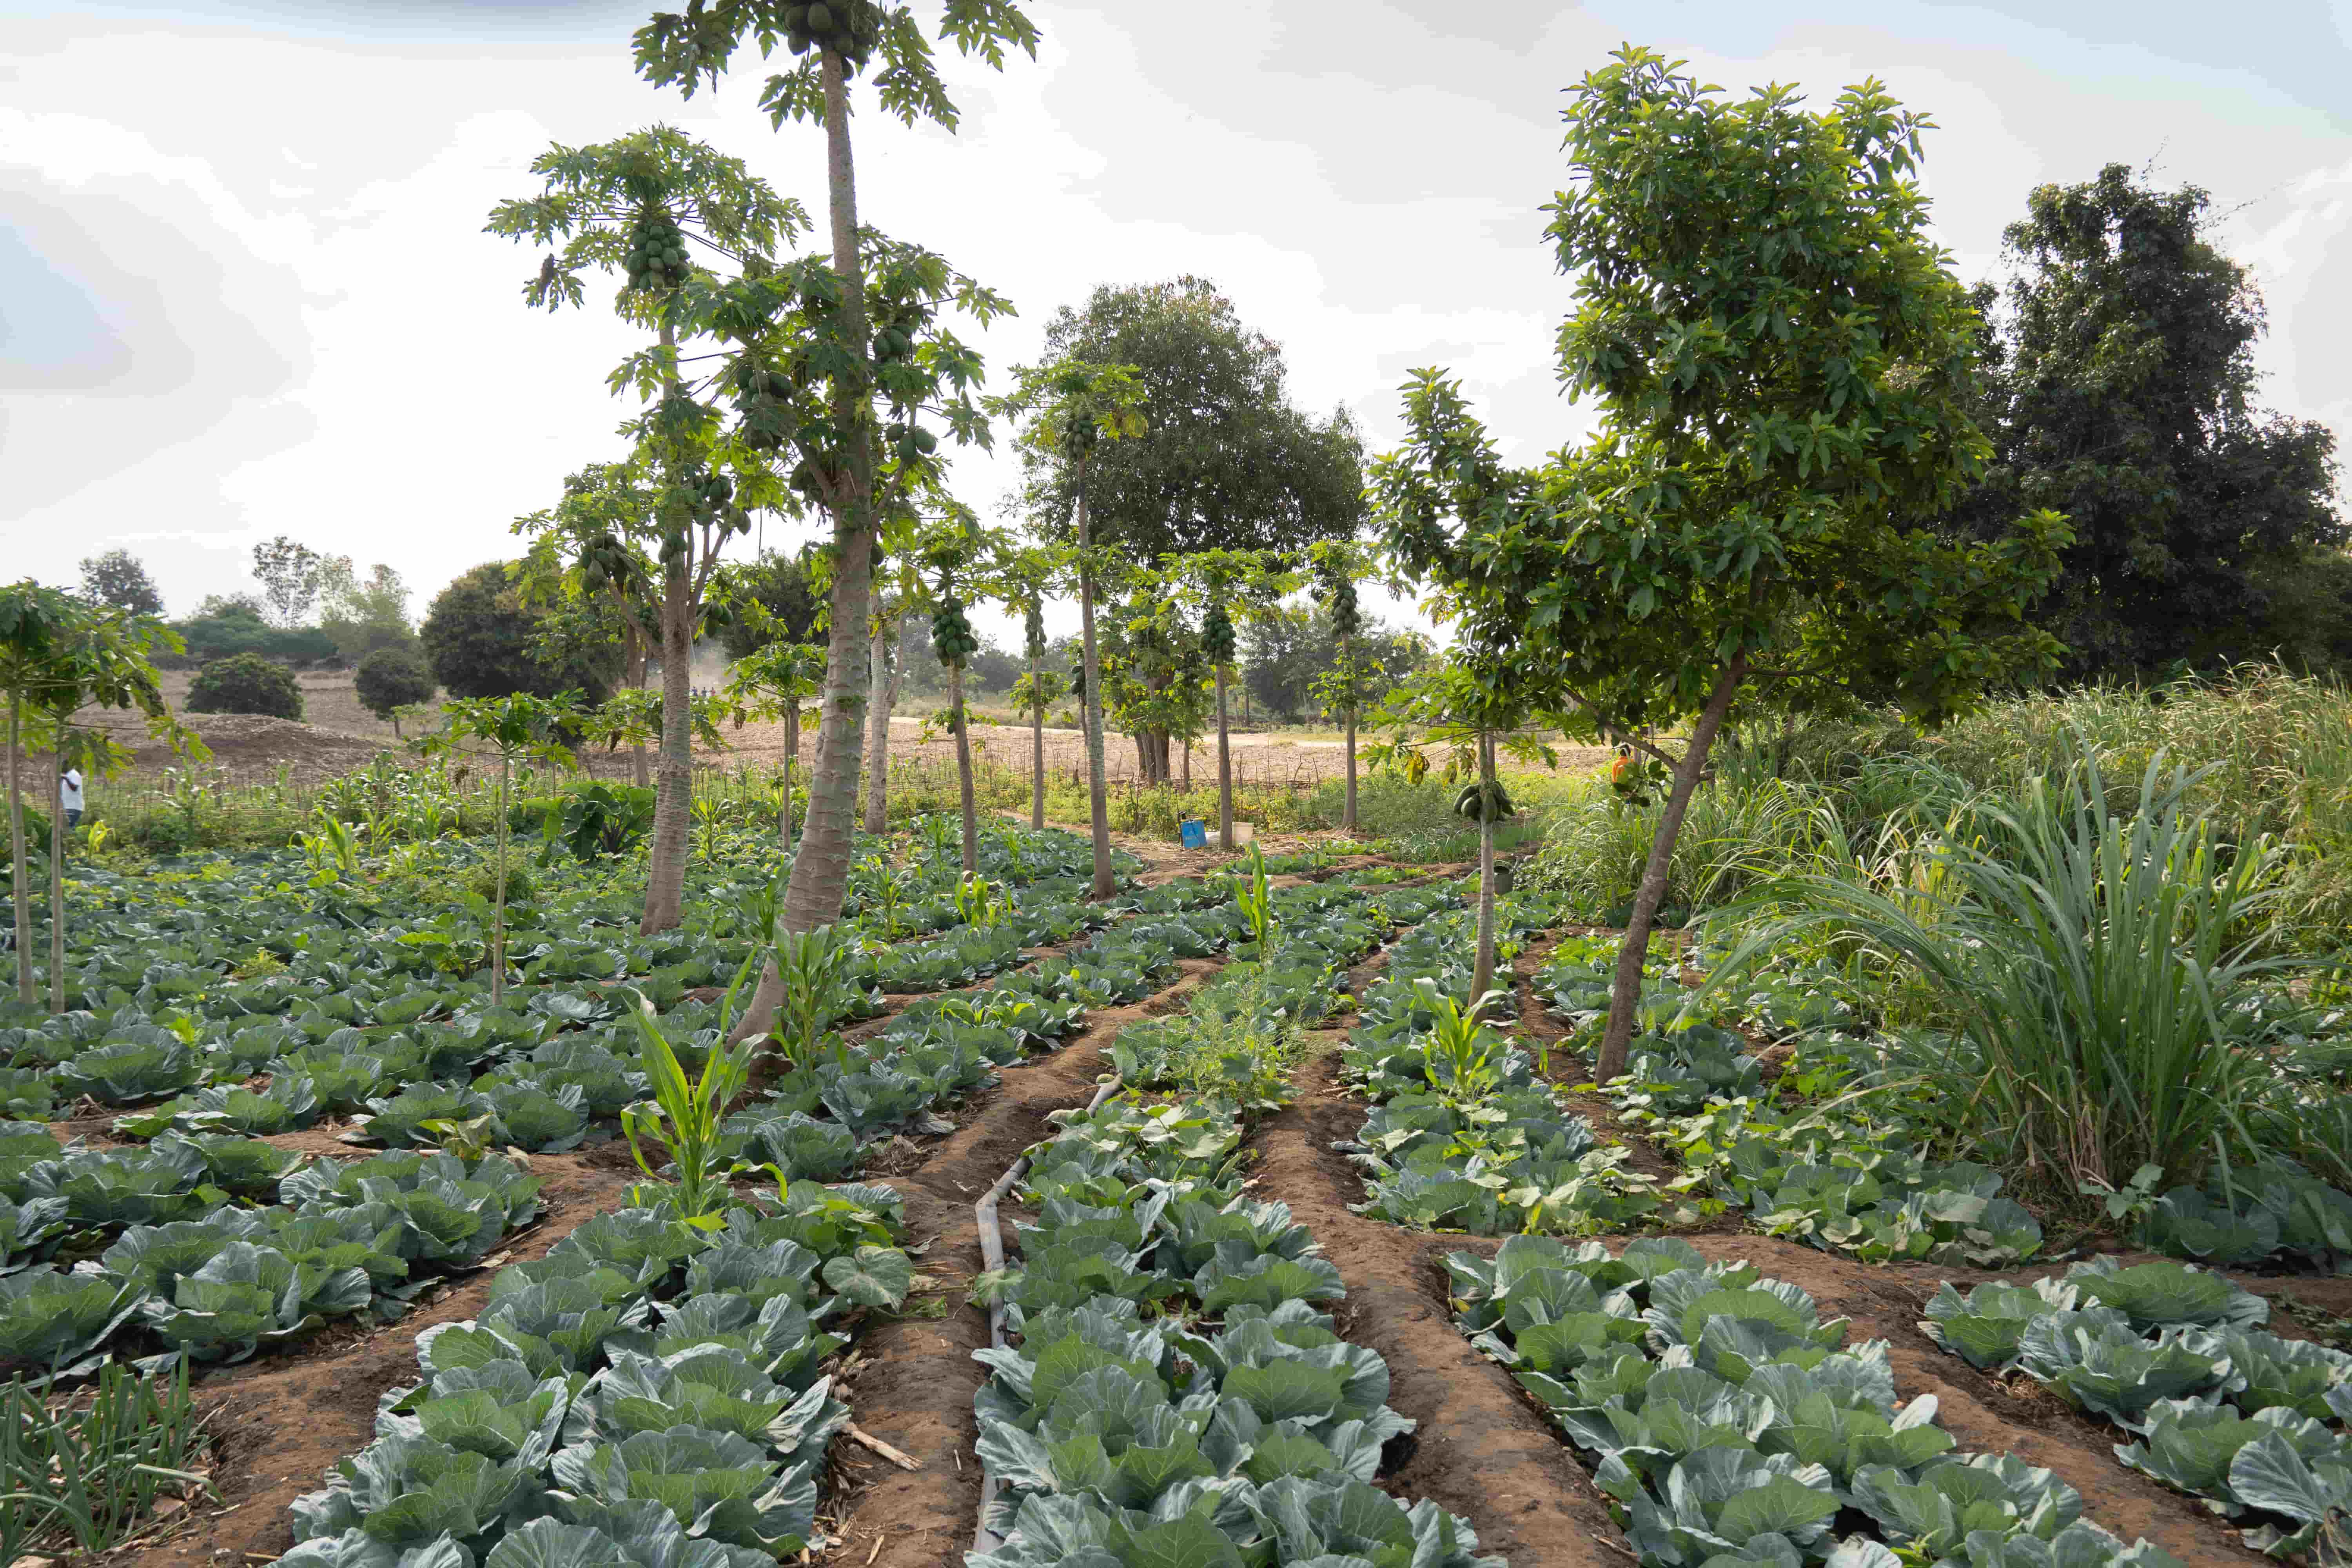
[683,1116]
[1256,899]
[815,969]
[82,1475]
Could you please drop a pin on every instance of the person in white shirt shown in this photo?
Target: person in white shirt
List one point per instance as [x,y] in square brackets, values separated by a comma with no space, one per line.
[69,796]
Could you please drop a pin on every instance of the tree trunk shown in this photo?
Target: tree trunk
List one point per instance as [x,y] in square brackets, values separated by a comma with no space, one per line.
[1104,887]
[636,675]
[821,870]
[498,907]
[880,691]
[791,755]
[1037,747]
[1626,993]
[1482,967]
[674,774]
[1188,764]
[58,908]
[23,904]
[1224,770]
[963,772]
[1347,666]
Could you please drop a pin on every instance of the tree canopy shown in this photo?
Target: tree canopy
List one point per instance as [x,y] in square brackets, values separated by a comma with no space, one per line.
[119,580]
[2124,396]
[477,638]
[1227,463]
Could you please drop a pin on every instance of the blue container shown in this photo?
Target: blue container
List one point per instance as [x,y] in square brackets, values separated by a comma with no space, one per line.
[1194,834]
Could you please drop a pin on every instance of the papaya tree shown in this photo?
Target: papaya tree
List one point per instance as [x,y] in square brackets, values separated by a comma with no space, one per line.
[1337,565]
[60,654]
[670,219]
[865,358]
[1471,706]
[588,553]
[961,553]
[1068,408]
[1022,580]
[775,681]
[1784,368]
[1218,583]
[513,729]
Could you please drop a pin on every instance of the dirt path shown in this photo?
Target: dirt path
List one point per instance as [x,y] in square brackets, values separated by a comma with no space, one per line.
[1479,1449]
[281,1421]
[915,1390]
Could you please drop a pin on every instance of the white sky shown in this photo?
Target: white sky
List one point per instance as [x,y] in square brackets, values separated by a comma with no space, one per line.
[244,288]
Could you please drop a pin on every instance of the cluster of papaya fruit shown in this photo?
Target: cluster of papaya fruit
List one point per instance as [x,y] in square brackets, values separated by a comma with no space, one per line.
[909,442]
[1484,803]
[850,28]
[657,257]
[952,633]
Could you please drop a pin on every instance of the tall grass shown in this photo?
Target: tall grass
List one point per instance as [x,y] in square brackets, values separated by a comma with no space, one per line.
[80,1473]
[2094,993]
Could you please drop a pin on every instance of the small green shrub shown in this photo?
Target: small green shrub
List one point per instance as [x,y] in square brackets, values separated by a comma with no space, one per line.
[245,683]
[391,678]
[483,880]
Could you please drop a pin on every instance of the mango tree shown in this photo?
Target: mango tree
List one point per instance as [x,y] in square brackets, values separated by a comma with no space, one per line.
[58,655]
[861,357]
[512,729]
[666,215]
[1070,407]
[1784,366]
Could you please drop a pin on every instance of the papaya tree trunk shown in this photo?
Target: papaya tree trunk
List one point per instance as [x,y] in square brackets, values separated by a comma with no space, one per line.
[673,772]
[1037,747]
[22,905]
[791,755]
[1098,803]
[1481,968]
[821,870]
[636,678]
[1625,993]
[498,899]
[1225,769]
[963,771]
[880,693]
[1347,664]
[58,909]
[1188,764]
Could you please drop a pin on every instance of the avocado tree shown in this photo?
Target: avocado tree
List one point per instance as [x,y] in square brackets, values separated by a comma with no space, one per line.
[1784,364]
[59,655]
[513,729]
[1069,407]
[775,681]
[859,358]
[672,221]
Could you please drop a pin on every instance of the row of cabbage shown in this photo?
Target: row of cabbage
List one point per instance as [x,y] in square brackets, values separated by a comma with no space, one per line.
[190,1270]
[1730,1425]
[1804,1158]
[2255,1427]
[1811,1158]
[650,1394]
[1467,1132]
[1179,1392]
[192,977]
[207,1188]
